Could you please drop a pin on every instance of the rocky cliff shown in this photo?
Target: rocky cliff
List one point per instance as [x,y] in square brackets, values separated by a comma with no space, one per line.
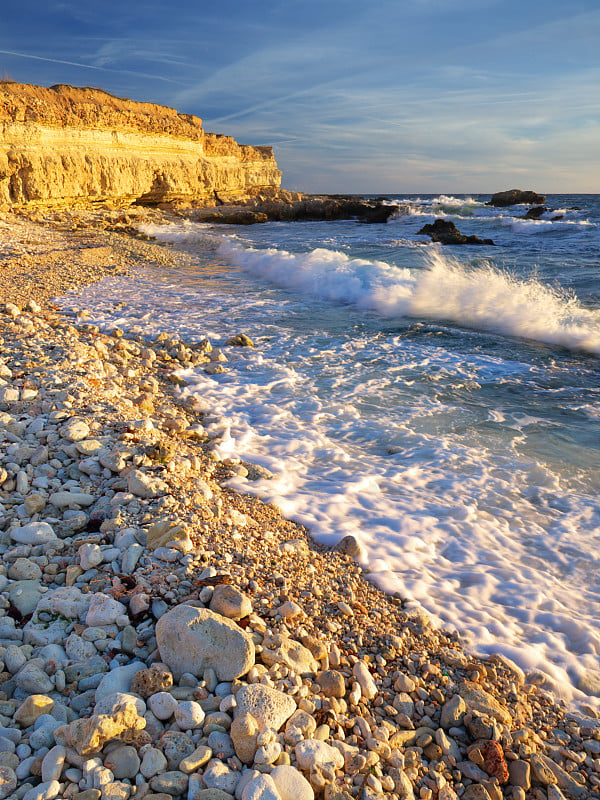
[78,146]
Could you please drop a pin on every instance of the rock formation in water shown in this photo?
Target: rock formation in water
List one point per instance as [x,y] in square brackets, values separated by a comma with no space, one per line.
[445,232]
[513,197]
[67,146]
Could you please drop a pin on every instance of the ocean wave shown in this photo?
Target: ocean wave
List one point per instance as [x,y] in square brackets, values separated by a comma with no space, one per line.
[480,297]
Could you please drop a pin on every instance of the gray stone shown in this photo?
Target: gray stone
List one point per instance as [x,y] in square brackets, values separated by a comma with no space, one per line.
[118,680]
[53,762]
[262,787]
[217,775]
[8,782]
[33,679]
[35,533]
[453,712]
[194,639]
[174,782]
[123,762]
[176,745]
[153,762]
[25,595]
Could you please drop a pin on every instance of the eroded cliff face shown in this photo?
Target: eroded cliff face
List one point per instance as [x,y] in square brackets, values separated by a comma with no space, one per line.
[66,146]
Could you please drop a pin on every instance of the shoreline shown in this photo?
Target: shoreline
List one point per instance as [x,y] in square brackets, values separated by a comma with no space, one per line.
[390,716]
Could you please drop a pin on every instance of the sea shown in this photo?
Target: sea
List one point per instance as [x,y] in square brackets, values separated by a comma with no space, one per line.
[441,404]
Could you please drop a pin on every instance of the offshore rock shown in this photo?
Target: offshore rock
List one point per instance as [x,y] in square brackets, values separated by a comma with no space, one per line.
[66,146]
[446,232]
[513,197]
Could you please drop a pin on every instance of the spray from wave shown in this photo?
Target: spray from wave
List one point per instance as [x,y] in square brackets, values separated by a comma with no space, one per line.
[479,297]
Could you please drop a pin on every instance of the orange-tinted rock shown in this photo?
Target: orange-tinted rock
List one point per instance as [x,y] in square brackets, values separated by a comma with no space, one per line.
[494,762]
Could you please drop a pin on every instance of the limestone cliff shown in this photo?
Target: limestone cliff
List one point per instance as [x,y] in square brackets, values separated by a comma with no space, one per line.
[79,146]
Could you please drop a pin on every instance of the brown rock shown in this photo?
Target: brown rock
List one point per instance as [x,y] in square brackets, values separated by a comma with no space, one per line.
[146,682]
[90,735]
[332,683]
[244,730]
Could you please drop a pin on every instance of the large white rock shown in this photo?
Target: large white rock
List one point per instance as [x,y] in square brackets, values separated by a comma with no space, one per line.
[34,533]
[66,499]
[103,610]
[143,485]
[193,640]
[261,787]
[291,784]
[269,707]
[314,752]
[368,687]
[68,601]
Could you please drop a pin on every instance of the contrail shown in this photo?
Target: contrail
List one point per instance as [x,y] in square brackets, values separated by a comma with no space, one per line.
[88,66]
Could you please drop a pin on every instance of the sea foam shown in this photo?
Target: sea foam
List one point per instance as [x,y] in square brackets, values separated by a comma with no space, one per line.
[481,297]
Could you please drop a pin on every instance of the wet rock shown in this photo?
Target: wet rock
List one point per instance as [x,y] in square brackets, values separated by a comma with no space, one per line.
[445,232]
[193,640]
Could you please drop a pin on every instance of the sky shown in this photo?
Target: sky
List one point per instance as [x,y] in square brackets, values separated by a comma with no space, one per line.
[379,96]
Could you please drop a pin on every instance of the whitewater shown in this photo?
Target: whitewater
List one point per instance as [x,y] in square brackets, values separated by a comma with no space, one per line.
[440,404]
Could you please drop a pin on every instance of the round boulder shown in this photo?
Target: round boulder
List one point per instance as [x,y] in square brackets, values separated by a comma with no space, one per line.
[193,640]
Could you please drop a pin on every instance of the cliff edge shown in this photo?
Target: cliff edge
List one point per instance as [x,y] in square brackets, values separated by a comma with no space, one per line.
[64,146]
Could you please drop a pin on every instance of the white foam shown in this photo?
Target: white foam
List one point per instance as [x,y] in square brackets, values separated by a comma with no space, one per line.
[480,297]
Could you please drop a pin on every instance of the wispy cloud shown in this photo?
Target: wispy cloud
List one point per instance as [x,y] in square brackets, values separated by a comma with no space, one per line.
[98,68]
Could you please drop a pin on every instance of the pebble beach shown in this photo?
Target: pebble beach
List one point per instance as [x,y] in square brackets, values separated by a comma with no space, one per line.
[162,636]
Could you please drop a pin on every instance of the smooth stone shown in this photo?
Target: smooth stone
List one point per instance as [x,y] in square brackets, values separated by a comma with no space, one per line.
[477,699]
[162,705]
[332,683]
[291,783]
[33,679]
[66,499]
[47,790]
[53,762]
[368,687]
[173,782]
[244,732]
[33,707]
[74,430]
[90,556]
[453,712]
[35,533]
[221,744]
[230,602]
[189,715]
[153,762]
[118,680]
[194,639]
[123,762]
[24,570]
[195,760]
[25,595]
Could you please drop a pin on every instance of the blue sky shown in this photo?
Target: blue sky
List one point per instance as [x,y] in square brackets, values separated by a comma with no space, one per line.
[382,96]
